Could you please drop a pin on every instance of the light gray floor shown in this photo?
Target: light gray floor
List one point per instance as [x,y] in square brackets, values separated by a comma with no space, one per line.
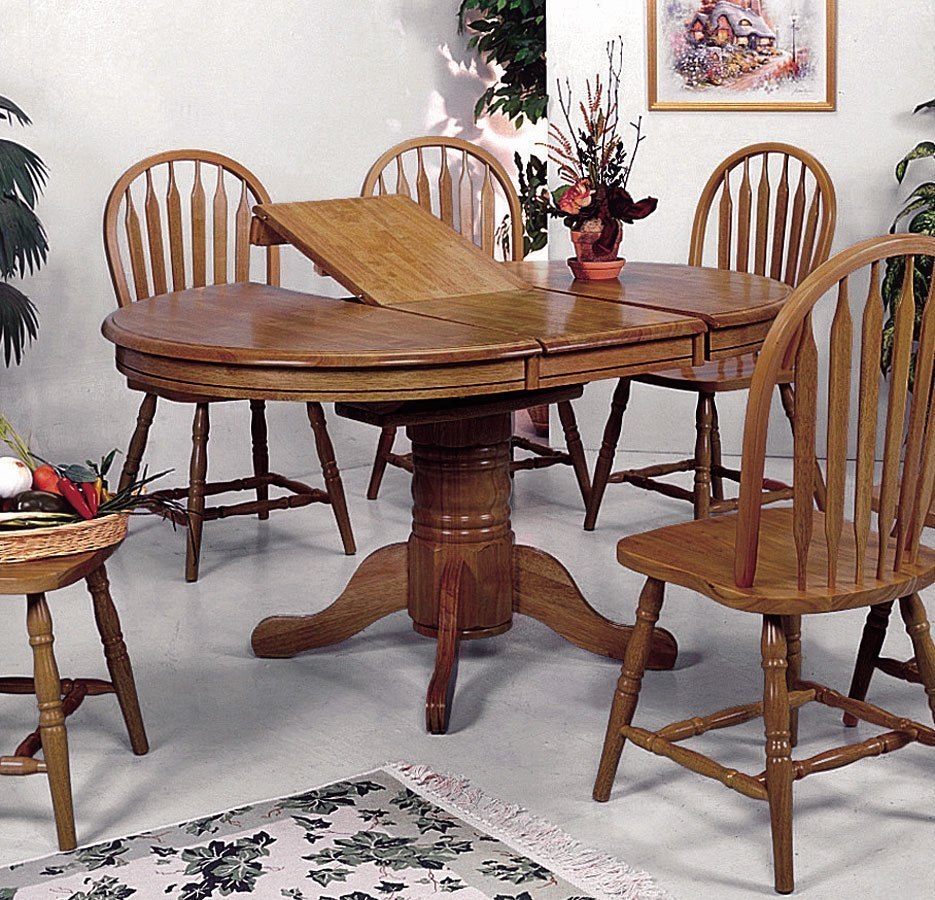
[529,711]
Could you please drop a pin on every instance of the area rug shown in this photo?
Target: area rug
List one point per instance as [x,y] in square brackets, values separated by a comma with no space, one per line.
[401,832]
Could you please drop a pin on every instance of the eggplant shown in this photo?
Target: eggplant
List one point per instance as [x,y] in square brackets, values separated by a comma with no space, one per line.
[40,501]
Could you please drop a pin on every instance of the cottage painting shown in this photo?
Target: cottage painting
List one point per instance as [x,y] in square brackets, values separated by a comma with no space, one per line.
[741,54]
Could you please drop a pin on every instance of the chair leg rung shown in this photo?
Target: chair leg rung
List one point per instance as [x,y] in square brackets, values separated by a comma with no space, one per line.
[907,671]
[697,762]
[838,757]
[21,765]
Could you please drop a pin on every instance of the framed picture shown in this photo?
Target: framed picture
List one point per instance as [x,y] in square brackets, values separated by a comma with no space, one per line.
[742,54]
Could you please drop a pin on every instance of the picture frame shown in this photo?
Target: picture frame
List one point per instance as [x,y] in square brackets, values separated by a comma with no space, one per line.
[744,55]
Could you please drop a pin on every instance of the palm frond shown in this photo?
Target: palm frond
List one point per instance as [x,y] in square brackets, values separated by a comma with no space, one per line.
[19,322]
[21,172]
[10,111]
[23,244]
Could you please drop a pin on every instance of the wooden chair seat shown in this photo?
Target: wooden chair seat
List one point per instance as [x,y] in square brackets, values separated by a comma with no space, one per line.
[705,563]
[56,697]
[713,377]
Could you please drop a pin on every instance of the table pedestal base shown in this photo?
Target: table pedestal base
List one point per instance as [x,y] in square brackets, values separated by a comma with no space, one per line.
[460,575]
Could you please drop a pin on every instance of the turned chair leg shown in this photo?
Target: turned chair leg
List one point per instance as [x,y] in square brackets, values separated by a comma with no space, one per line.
[605,458]
[384,448]
[258,435]
[144,419]
[717,481]
[118,661]
[787,395]
[703,423]
[779,771]
[917,627]
[566,415]
[871,643]
[628,686]
[198,471]
[792,628]
[52,732]
[329,469]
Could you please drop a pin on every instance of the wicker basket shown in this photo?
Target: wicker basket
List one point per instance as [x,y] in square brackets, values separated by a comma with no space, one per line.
[63,540]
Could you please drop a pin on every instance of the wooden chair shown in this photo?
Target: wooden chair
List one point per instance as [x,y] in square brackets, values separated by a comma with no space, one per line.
[58,698]
[871,644]
[781,563]
[783,234]
[185,238]
[468,183]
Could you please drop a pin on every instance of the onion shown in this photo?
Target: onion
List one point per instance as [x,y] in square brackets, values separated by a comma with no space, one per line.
[15,476]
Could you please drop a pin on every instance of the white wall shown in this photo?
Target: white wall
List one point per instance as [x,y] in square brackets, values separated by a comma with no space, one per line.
[884,69]
[306,93]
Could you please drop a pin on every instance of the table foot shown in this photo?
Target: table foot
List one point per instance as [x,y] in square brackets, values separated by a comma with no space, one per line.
[378,587]
[441,690]
[544,590]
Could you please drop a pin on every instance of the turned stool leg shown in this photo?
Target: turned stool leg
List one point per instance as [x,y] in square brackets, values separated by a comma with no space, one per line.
[717,481]
[52,732]
[628,686]
[779,772]
[118,661]
[260,444]
[566,415]
[197,473]
[917,627]
[703,422]
[871,642]
[792,628]
[144,418]
[605,458]
[329,469]
[384,447]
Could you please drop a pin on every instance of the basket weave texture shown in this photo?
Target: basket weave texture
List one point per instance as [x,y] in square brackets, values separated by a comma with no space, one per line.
[63,540]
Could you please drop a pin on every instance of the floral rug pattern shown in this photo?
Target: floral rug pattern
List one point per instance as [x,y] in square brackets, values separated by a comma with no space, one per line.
[373,837]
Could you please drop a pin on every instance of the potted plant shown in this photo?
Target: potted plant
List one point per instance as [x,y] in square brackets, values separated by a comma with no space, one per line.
[921,207]
[595,167]
[23,244]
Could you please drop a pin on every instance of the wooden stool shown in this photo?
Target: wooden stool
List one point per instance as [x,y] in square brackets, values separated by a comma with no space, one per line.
[56,697]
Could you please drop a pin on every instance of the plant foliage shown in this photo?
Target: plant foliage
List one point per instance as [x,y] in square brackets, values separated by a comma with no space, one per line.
[920,212]
[510,33]
[23,244]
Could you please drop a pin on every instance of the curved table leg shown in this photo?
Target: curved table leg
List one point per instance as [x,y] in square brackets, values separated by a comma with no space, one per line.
[442,686]
[378,587]
[544,590]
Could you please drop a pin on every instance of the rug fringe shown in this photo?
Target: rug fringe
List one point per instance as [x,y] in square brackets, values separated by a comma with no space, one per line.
[601,875]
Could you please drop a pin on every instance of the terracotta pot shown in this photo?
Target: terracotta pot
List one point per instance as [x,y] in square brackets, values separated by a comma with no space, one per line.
[596,269]
[585,239]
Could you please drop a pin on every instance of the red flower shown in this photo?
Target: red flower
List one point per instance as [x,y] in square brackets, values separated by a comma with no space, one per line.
[575,197]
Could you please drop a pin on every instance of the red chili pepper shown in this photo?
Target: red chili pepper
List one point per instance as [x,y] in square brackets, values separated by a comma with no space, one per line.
[71,493]
[89,490]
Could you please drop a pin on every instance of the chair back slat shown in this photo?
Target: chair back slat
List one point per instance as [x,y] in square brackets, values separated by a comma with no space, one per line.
[912,504]
[804,434]
[445,188]
[158,182]
[839,399]
[157,254]
[199,214]
[242,237]
[461,184]
[868,406]
[176,241]
[779,222]
[423,193]
[743,220]
[907,423]
[135,245]
[761,230]
[896,412]
[762,218]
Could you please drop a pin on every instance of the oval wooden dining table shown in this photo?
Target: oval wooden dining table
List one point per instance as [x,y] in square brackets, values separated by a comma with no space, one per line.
[451,363]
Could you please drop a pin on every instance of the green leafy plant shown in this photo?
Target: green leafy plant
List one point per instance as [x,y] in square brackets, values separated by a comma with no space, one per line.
[23,244]
[920,208]
[533,180]
[510,33]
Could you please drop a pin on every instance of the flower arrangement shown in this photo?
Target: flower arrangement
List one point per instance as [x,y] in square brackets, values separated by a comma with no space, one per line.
[595,166]
[37,494]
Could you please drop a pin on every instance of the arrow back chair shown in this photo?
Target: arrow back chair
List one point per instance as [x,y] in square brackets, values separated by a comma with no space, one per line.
[780,563]
[783,233]
[471,188]
[172,254]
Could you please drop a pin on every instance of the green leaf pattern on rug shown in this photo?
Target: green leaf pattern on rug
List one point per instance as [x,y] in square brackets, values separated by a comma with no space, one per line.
[328,799]
[517,870]
[106,888]
[428,817]
[229,868]
[212,824]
